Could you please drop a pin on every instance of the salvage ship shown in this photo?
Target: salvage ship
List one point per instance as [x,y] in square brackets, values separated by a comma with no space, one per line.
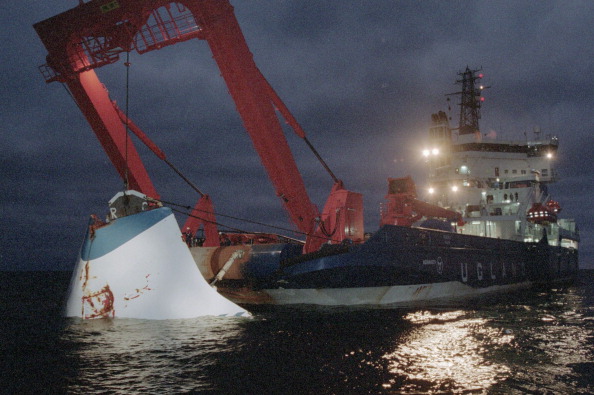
[487,225]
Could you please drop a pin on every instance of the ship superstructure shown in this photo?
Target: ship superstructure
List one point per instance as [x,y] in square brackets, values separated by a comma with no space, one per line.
[499,187]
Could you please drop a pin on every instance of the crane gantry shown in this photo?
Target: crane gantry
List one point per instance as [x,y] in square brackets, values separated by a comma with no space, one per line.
[97,32]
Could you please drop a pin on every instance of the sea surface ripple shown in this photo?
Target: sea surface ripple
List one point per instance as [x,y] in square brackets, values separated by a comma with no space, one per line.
[530,342]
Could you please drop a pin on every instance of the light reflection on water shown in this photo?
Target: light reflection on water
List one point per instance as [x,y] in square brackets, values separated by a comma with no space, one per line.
[543,346]
[445,352]
[146,355]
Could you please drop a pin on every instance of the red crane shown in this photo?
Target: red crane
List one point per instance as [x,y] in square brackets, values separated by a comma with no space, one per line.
[404,209]
[96,33]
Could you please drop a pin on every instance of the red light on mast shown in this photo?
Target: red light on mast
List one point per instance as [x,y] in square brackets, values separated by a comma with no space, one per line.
[481,75]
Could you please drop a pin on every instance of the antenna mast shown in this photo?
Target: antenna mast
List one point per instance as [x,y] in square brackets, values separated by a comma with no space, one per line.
[470,101]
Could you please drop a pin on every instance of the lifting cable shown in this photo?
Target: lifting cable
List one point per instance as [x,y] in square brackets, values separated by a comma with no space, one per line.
[234,218]
[320,159]
[183,177]
[126,122]
[127,64]
[154,148]
[290,119]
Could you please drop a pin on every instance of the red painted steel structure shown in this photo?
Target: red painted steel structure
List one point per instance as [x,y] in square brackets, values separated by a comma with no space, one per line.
[95,33]
[404,208]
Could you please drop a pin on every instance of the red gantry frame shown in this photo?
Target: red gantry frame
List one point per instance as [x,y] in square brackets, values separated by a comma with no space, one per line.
[95,33]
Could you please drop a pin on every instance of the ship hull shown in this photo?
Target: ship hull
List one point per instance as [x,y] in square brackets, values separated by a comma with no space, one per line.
[138,267]
[431,294]
[398,266]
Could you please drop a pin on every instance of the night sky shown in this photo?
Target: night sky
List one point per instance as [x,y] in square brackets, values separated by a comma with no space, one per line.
[362,78]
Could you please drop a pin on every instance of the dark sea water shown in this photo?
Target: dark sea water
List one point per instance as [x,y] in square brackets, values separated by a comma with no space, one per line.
[531,342]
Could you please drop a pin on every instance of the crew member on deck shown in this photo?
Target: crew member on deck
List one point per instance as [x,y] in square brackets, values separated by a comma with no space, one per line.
[188,237]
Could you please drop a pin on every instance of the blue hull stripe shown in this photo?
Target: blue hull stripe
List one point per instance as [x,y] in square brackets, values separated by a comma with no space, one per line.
[119,232]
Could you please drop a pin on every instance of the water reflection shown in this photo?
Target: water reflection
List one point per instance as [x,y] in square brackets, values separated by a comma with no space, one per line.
[544,343]
[146,355]
[446,352]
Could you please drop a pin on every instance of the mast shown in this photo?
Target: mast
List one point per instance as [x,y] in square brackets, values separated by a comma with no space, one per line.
[470,102]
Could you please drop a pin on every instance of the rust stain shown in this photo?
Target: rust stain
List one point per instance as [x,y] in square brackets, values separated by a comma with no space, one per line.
[84,276]
[99,304]
[95,304]
[245,295]
[139,291]
[97,224]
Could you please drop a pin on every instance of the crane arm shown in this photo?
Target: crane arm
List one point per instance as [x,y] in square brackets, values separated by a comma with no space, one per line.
[252,98]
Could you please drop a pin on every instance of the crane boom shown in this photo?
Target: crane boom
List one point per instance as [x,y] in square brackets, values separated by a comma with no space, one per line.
[250,92]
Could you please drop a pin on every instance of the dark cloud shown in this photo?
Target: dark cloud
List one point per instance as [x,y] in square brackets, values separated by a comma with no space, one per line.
[361,77]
